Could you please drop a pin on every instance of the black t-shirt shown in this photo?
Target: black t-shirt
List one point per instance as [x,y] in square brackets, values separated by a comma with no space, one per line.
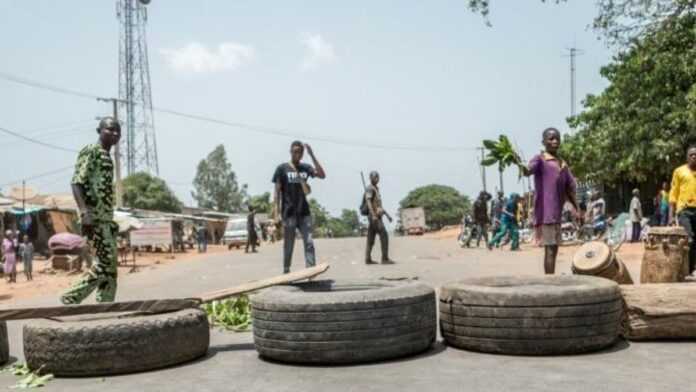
[294,201]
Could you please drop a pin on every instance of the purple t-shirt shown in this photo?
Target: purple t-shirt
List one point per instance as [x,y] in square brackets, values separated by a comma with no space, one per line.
[553,183]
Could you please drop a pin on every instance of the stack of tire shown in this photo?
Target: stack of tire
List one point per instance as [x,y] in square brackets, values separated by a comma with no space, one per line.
[4,344]
[548,315]
[105,344]
[328,322]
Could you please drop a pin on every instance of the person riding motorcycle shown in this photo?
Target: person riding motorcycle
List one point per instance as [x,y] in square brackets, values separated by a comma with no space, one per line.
[596,215]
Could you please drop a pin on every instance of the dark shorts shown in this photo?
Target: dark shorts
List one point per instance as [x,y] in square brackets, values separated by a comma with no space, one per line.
[549,235]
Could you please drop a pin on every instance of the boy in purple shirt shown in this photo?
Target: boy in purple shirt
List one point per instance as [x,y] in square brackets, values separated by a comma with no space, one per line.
[554,185]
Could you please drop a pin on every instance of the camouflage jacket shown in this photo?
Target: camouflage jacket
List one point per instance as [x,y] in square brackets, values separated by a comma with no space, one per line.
[95,172]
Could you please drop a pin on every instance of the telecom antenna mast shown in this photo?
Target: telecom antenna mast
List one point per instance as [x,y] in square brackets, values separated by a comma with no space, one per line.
[134,91]
[573,53]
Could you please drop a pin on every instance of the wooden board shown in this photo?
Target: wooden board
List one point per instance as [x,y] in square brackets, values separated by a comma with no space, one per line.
[660,311]
[307,273]
[148,306]
[159,305]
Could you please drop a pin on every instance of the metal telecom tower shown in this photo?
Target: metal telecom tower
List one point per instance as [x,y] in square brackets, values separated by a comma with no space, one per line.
[134,90]
[574,52]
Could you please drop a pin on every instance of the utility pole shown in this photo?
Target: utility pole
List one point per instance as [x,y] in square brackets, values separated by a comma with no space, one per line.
[573,53]
[500,171]
[117,154]
[483,169]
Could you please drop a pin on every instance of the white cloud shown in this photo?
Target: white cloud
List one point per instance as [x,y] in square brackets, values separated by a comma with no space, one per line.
[197,58]
[319,52]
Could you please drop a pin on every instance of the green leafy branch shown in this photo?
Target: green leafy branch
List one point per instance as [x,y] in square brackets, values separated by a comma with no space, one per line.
[232,314]
[503,153]
[30,379]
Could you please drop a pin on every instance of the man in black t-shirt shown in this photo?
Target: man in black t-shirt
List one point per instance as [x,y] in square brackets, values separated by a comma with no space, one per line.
[291,190]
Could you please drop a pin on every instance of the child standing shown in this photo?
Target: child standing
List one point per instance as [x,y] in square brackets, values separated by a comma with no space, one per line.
[553,186]
[26,252]
[9,252]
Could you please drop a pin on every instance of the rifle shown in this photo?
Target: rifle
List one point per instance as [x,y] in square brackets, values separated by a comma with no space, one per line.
[362,176]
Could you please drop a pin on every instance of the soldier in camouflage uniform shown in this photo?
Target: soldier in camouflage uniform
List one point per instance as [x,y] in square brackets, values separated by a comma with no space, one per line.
[92,187]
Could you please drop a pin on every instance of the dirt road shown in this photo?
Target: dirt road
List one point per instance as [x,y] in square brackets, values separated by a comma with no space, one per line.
[232,363]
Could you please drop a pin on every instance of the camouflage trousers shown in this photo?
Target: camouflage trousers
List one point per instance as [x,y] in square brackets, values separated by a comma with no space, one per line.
[102,274]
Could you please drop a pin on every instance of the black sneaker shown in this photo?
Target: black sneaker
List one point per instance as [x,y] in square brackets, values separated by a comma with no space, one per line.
[370,262]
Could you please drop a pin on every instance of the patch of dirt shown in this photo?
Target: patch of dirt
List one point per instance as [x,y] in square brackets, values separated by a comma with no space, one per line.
[48,281]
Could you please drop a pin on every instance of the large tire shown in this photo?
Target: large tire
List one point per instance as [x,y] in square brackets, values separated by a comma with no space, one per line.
[548,315]
[327,322]
[109,345]
[4,344]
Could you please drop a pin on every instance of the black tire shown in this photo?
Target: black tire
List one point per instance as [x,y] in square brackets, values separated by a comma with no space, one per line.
[109,345]
[531,315]
[327,322]
[530,291]
[4,344]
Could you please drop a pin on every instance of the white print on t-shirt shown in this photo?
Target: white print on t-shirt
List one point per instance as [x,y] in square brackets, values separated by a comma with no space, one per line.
[292,177]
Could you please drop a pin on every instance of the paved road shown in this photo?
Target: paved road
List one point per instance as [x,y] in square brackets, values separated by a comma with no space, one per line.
[232,363]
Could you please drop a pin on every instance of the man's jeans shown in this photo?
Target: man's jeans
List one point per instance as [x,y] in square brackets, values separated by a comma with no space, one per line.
[687,219]
[290,226]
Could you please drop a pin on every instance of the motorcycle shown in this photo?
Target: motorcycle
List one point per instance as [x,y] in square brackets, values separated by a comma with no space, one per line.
[468,231]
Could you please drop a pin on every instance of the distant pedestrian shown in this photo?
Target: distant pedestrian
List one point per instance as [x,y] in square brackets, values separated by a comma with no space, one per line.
[26,251]
[663,204]
[9,255]
[682,201]
[375,227]
[497,207]
[554,184]
[252,237]
[202,234]
[481,219]
[636,214]
[290,200]
[509,224]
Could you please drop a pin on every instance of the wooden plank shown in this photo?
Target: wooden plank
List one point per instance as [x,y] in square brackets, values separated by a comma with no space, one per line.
[148,306]
[307,273]
[159,305]
[660,311]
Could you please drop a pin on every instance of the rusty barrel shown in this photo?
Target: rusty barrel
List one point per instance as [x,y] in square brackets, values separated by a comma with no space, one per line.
[666,256]
[598,259]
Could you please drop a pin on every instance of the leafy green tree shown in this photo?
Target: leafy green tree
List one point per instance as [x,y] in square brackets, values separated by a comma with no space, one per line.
[621,21]
[261,203]
[443,204]
[144,191]
[351,220]
[320,217]
[641,125]
[216,184]
[347,225]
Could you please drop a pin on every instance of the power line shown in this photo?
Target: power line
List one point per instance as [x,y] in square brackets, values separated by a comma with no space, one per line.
[250,127]
[49,135]
[35,141]
[40,175]
[45,86]
[58,128]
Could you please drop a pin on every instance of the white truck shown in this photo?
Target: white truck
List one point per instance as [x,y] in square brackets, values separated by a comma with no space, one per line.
[413,221]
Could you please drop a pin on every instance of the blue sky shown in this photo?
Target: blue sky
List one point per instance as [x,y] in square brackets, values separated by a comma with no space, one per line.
[387,72]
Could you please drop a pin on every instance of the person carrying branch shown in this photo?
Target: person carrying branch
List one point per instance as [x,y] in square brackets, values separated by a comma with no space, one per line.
[93,189]
[373,200]
[554,184]
[290,200]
